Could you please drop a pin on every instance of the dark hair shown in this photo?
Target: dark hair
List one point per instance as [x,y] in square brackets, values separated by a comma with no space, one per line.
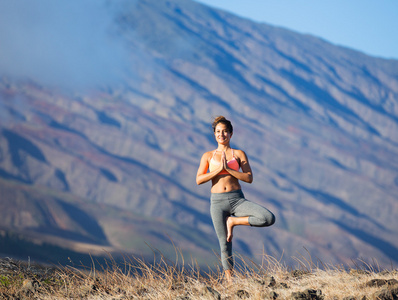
[222,120]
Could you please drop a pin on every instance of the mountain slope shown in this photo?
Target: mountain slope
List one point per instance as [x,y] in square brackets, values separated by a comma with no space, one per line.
[319,123]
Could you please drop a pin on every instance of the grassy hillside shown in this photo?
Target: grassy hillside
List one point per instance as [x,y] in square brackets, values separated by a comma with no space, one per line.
[137,279]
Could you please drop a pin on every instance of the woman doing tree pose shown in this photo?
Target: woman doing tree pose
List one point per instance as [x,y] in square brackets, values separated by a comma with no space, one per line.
[228,207]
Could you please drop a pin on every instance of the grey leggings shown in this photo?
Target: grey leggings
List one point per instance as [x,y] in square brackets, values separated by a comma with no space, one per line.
[234,203]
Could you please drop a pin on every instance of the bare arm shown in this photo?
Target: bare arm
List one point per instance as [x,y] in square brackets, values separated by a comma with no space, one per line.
[246,175]
[202,176]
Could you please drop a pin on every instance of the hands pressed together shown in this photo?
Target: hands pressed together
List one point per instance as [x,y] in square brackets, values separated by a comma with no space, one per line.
[224,163]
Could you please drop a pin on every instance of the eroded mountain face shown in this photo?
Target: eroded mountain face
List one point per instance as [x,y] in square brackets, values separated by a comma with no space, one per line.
[318,122]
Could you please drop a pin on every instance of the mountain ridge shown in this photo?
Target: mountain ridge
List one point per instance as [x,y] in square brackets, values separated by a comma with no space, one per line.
[318,121]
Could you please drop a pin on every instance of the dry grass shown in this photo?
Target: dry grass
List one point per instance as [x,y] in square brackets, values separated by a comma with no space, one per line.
[163,279]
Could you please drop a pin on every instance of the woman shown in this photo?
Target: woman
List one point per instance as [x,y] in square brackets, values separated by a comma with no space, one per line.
[229,207]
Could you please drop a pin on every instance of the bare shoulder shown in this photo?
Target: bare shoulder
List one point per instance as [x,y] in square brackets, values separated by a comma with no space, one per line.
[240,153]
[207,155]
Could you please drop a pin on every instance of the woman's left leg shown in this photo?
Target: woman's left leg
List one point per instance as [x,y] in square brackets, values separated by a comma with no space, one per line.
[249,213]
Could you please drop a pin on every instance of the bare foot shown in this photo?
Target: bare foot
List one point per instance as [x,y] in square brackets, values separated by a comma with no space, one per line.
[228,275]
[230,227]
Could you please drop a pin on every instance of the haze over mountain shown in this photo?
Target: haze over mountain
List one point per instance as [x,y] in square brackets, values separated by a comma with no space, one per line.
[114,167]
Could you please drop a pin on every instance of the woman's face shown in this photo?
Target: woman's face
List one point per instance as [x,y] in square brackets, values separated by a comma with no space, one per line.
[222,134]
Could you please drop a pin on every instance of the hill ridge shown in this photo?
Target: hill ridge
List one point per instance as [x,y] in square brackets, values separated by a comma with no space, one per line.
[318,122]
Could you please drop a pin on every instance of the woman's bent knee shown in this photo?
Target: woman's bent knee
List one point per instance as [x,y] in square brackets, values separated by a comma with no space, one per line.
[272,220]
[264,221]
[269,219]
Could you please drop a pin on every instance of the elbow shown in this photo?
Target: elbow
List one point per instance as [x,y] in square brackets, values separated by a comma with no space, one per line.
[249,180]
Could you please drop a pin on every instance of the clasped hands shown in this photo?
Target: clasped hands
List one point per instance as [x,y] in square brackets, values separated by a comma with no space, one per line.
[224,163]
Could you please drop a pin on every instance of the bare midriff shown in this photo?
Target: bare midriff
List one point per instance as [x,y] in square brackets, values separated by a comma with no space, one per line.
[224,183]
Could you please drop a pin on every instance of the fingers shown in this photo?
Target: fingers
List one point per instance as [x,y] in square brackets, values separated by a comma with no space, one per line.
[224,159]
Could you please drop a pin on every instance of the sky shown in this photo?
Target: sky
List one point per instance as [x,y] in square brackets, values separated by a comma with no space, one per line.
[61,43]
[69,43]
[370,26]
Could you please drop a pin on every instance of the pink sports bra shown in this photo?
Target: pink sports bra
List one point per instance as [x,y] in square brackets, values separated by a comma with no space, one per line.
[233,163]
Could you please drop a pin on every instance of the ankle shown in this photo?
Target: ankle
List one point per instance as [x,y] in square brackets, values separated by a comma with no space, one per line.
[228,275]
